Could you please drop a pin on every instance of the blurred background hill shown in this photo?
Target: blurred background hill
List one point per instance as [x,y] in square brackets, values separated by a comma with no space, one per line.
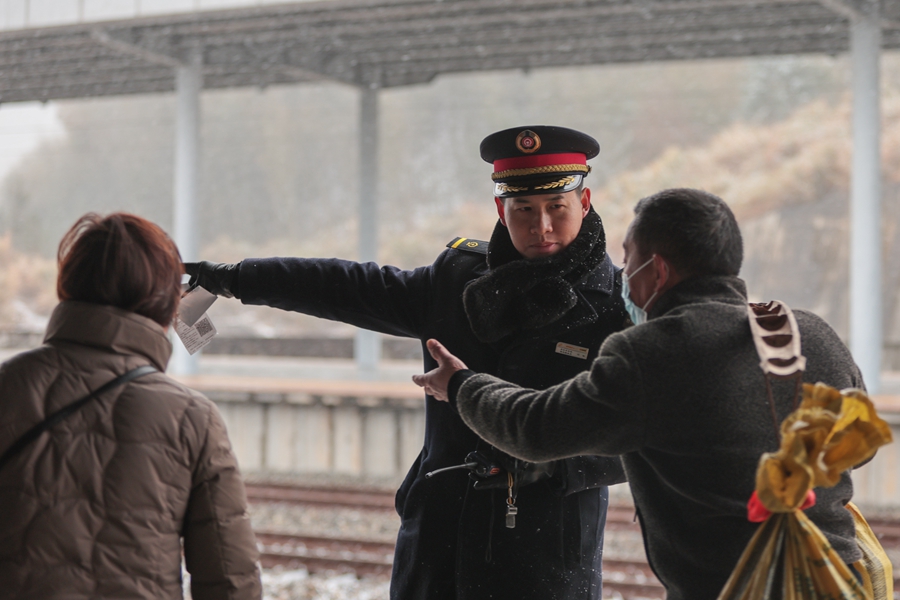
[278,173]
[788,183]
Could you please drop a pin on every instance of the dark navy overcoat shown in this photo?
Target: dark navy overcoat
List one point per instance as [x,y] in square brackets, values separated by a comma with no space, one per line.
[453,542]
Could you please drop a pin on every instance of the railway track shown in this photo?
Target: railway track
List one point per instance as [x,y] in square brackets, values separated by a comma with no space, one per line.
[630,579]
[363,557]
[342,497]
[627,578]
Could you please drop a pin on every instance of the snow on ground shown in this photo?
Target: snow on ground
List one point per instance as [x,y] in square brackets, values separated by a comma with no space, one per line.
[326,522]
[298,584]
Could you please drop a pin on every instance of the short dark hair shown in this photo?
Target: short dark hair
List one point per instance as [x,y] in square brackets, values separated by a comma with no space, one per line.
[121,260]
[692,229]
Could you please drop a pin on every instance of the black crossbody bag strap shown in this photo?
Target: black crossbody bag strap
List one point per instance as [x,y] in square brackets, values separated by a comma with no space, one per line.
[70,409]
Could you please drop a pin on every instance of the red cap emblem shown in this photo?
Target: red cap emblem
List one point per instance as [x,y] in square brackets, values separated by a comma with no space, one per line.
[528,142]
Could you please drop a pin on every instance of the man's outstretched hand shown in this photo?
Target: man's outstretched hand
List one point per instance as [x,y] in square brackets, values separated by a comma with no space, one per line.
[220,279]
[436,381]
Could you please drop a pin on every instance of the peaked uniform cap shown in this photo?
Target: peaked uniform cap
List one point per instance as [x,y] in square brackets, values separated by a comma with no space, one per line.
[538,159]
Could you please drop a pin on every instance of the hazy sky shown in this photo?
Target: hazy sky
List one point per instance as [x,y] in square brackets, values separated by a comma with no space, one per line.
[24,125]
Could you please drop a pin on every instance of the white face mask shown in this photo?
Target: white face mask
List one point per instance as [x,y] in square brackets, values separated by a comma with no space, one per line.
[638,314]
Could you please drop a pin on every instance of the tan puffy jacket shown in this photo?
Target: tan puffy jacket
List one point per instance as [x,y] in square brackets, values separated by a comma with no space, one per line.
[98,507]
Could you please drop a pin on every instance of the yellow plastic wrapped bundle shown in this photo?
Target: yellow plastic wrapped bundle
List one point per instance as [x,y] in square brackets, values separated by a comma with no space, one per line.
[789,557]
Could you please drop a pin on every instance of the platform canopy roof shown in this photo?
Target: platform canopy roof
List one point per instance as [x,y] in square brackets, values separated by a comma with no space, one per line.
[386,43]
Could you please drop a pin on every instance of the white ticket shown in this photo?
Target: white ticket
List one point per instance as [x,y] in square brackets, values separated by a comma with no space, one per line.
[196,336]
[194,305]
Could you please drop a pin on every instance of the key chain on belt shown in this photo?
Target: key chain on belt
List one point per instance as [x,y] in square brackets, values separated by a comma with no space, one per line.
[511,510]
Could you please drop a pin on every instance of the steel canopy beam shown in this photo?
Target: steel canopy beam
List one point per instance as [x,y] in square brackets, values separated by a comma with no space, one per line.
[404,42]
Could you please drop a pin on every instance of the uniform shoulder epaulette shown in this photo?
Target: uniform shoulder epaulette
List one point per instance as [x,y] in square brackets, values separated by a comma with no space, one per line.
[469,245]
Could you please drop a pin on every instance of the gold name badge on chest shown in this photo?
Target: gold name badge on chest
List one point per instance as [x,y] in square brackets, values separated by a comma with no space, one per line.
[573,351]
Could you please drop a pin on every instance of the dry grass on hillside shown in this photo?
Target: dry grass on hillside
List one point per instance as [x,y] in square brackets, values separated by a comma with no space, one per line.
[27,288]
[758,168]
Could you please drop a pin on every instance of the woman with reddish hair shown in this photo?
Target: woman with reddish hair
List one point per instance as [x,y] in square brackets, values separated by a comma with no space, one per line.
[104,478]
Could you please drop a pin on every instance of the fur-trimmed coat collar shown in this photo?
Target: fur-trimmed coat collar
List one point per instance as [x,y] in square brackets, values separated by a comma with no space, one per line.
[519,294]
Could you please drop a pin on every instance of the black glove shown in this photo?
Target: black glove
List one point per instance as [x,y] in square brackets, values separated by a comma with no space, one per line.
[220,279]
[524,473]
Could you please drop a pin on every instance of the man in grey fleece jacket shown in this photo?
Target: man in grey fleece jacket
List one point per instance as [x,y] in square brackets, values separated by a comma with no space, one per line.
[681,397]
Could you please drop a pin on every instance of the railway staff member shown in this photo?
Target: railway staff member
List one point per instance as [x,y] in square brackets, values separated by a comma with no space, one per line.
[680,398]
[532,306]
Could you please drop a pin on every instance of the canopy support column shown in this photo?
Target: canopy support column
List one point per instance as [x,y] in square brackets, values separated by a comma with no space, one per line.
[188,83]
[866,330]
[367,348]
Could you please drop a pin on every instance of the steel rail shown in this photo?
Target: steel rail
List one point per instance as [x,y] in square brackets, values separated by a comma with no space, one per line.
[356,498]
